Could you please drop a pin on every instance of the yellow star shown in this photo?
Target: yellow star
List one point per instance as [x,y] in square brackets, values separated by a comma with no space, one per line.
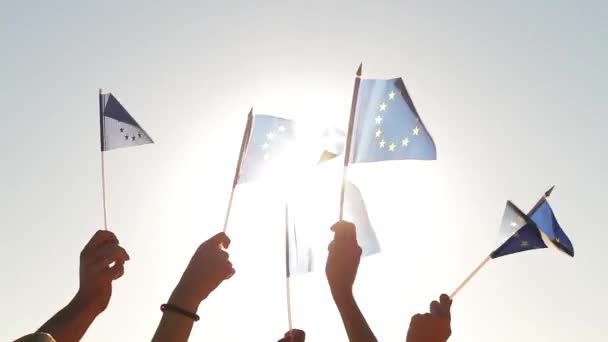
[378,120]
[382,143]
[391,95]
[524,243]
[405,142]
[265,146]
[513,224]
[557,240]
[270,136]
[416,130]
[383,107]
[378,133]
[516,234]
[520,219]
[391,147]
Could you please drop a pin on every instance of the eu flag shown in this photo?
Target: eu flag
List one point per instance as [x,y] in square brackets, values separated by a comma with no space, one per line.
[118,128]
[545,220]
[518,233]
[269,147]
[387,125]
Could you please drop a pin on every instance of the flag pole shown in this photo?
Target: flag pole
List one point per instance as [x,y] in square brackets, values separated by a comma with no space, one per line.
[103,167]
[349,136]
[238,165]
[287,283]
[481,265]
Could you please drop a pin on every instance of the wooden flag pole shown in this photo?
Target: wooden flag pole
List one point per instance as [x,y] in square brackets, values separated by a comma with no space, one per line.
[482,264]
[237,172]
[103,166]
[287,273]
[349,136]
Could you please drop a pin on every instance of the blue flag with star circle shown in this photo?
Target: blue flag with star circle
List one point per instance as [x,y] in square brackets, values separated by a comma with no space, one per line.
[387,125]
[545,220]
[517,233]
[118,128]
[269,148]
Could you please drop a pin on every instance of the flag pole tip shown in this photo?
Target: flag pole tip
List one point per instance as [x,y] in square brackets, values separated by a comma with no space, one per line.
[548,192]
[360,69]
[250,111]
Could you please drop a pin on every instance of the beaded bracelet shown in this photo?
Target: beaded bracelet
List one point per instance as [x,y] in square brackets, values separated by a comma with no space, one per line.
[171,307]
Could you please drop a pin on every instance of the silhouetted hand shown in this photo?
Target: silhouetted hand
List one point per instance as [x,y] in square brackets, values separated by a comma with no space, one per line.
[294,335]
[101,262]
[433,326]
[343,259]
[207,269]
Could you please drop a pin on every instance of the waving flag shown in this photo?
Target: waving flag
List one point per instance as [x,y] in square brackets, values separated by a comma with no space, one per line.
[313,212]
[518,233]
[118,128]
[545,220]
[269,148]
[387,125]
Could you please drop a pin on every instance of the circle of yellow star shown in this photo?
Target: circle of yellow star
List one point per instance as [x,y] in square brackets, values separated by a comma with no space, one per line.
[524,243]
[383,106]
[416,130]
[405,142]
[378,133]
[382,143]
[378,120]
[391,147]
[391,95]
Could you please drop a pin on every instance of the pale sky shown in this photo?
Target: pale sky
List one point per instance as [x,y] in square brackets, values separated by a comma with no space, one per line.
[512,92]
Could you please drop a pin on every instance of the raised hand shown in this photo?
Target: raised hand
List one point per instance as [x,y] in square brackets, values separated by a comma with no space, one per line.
[341,270]
[433,326]
[207,269]
[101,262]
[343,259]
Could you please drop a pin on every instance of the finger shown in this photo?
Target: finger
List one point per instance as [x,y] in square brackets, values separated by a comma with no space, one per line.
[415,318]
[344,231]
[99,238]
[109,254]
[228,270]
[116,271]
[445,300]
[435,308]
[446,304]
[219,239]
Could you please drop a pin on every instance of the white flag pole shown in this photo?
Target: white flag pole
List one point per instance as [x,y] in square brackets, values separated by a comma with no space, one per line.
[103,168]
[238,165]
[349,137]
[287,273]
[467,279]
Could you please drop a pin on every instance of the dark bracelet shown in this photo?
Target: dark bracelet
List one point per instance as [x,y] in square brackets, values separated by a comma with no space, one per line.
[171,307]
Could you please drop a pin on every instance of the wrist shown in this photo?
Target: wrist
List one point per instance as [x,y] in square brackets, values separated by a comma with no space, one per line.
[185,299]
[83,307]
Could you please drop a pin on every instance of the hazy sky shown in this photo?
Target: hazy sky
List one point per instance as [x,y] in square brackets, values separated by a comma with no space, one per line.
[512,92]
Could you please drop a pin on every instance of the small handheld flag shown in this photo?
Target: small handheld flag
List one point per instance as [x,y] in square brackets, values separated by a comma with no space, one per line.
[520,233]
[265,148]
[117,129]
[387,125]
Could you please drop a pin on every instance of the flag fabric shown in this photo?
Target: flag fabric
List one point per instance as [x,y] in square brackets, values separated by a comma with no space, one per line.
[314,206]
[518,233]
[269,148]
[117,126]
[387,125]
[542,215]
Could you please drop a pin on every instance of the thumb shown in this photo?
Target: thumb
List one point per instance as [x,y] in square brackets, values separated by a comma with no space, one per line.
[219,239]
